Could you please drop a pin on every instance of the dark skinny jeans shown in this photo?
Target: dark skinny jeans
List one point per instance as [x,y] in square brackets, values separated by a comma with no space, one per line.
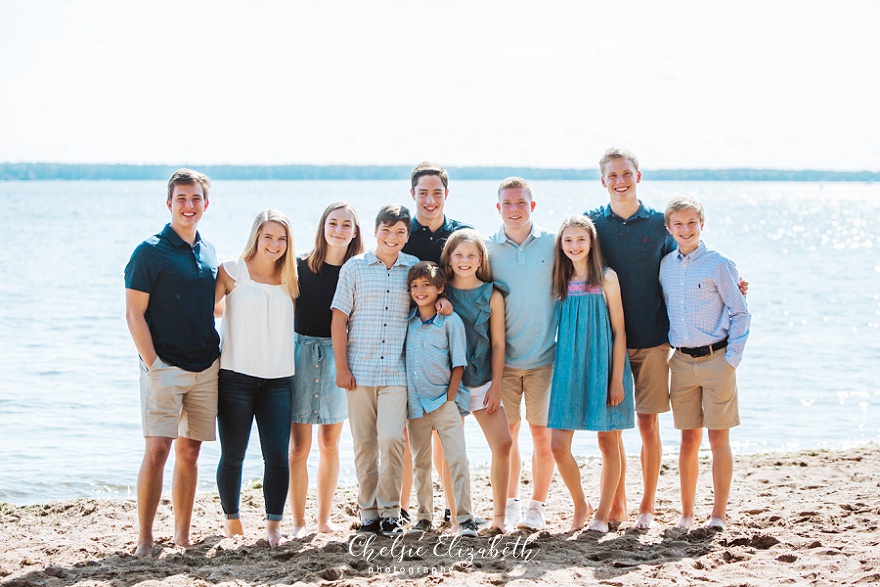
[240,399]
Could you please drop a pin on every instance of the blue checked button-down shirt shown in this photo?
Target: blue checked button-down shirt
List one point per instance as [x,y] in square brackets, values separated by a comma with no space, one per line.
[704,302]
[433,350]
[376,300]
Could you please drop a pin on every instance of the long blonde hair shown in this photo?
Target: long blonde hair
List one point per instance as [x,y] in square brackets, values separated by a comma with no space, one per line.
[287,262]
[315,258]
[563,268]
[466,235]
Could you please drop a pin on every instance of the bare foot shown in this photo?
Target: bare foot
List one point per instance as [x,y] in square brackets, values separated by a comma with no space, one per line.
[273,533]
[499,525]
[644,521]
[326,527]
[685,523]
[182,540]
[581,513]
[144,550]
[715,523]
[598,526]
[233,528]
[618,516]
[298,531]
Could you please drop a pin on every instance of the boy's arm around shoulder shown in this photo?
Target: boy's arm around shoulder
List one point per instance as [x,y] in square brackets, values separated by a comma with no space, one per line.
[457,353]
[339,337]
[737,308]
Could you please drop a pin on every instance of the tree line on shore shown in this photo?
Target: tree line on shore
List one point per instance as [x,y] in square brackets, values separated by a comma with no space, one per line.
[92,171]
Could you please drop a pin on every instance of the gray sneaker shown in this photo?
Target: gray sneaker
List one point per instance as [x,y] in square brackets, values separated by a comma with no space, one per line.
[468,528]
[421,527]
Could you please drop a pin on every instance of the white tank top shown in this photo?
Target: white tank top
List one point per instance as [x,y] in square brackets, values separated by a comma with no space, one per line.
[256,333]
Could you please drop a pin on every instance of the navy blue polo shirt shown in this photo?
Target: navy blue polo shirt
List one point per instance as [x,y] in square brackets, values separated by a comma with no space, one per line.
[633,247]
[180,280]
[427,245]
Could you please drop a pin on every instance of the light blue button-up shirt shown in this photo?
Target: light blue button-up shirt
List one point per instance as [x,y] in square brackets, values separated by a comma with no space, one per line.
[433,349]
[376,300]
[704,302]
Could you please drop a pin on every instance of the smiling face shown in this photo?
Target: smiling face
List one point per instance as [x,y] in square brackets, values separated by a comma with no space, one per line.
[424,293]
[339,228]
[187,204]
[620,177]
[390,240]
[430,195]
[575,243]
[685,227]
[272,241]
[465,259]
[515,206]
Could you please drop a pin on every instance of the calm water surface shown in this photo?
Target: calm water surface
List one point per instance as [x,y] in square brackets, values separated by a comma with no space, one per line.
[69,409]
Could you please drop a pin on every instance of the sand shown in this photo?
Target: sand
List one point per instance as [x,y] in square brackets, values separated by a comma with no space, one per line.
[807,518]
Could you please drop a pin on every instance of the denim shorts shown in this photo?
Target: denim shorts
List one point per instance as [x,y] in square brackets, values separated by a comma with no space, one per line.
[316,399]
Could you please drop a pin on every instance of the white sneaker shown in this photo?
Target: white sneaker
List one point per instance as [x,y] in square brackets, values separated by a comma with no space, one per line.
[534,518]
[514,512]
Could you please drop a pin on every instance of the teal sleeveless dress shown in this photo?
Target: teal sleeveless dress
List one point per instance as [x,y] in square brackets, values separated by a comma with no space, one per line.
[579,392]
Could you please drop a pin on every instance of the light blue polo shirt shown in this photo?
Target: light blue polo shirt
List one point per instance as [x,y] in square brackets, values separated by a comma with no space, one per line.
[529,308]
[433,349]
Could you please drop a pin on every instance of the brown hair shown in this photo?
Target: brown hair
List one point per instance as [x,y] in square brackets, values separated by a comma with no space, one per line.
[466,235]
[287,262]
[188,177]
[391,214]
[563,268]
[428,168]
[315,258]
[617,153]
[427,270]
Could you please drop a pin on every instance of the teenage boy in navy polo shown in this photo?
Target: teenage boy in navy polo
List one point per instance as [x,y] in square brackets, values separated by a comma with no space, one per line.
[370,314]
[709,325]
[428,235]
[169,307]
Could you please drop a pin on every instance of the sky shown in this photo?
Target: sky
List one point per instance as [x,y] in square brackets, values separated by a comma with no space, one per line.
[684,84]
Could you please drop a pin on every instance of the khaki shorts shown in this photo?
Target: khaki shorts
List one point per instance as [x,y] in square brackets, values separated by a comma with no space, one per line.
[175,402]
[534,384]
[650,369]
[703,392]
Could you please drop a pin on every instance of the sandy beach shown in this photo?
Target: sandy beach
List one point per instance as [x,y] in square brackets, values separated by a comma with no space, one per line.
[807,518]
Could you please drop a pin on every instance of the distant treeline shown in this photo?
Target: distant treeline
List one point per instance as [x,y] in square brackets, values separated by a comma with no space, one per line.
[68,171]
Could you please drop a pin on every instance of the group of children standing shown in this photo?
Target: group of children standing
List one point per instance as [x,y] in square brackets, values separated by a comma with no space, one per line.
[406,345]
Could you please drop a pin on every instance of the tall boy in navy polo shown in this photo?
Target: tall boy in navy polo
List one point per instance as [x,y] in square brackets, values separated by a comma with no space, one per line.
[521,255]
[428,235]
[370,314]
[430,227]
[169,300]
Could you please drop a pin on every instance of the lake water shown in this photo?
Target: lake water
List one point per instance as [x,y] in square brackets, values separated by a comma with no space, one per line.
[69,409]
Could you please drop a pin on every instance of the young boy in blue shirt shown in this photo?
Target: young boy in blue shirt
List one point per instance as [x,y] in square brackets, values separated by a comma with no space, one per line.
[436,350]
[708,326]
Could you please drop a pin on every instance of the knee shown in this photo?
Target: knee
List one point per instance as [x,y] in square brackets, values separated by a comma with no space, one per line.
[608,443]
[559,449]
[648,425]
[188,453]
[391,442]
[328,444]
[503,447]
[157,454]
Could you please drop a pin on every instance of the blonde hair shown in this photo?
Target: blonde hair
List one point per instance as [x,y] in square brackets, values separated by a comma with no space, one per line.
[563,268]
[683,203]
[287,262]
[315,258]
[466,235]
[617,153]
[513,183]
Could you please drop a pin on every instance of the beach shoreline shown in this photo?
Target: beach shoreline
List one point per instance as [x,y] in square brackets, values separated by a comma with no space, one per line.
[808,517]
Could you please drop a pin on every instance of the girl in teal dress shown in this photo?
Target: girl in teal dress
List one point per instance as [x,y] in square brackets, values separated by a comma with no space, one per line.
[480,305]
[592,384]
